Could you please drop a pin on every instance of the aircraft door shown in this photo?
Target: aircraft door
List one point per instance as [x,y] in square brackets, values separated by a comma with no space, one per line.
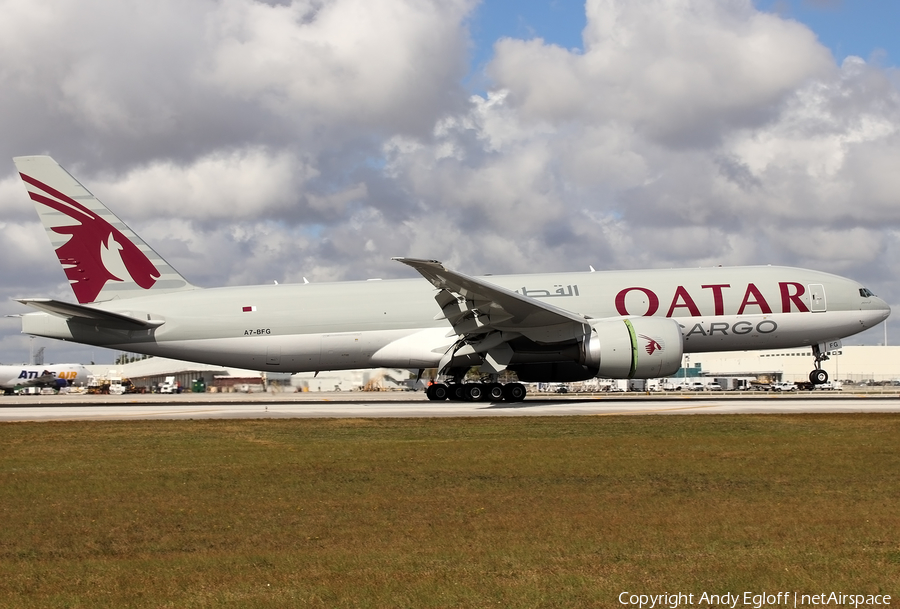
[817,298]
[342,351]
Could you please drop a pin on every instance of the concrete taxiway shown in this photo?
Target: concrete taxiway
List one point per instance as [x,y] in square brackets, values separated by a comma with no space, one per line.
[374,405]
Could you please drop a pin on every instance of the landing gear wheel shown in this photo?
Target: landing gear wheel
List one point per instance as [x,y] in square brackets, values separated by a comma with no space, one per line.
[473,392]
[817,377]
[455,392]
[514,392]
[494,392]
[437,392]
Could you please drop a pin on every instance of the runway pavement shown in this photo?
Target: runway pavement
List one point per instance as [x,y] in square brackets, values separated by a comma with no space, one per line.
[369,405]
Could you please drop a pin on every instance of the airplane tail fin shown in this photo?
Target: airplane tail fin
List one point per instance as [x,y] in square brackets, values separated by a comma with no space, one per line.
[101,256]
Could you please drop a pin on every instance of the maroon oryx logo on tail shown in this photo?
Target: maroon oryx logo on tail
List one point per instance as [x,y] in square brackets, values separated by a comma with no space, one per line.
[82,255]
[652,345]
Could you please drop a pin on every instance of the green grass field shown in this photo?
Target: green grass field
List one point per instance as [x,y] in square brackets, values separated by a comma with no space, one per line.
[512,512]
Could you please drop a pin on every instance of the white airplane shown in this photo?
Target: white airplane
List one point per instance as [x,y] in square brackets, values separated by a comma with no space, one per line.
[553,327]
[56,376]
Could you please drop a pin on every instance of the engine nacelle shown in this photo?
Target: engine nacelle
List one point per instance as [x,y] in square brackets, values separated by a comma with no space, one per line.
[642,348]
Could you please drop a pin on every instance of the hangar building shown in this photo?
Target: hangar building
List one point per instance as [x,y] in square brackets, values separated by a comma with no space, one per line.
[855,364]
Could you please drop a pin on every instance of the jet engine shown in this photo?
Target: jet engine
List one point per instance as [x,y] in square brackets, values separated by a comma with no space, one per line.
[641,347]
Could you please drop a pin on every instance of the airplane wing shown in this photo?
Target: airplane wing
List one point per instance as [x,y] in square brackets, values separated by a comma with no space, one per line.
[90,315]
[487,316]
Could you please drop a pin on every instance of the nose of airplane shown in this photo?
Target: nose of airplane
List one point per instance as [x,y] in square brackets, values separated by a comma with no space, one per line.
[872,309]
[884,308]
[878,309]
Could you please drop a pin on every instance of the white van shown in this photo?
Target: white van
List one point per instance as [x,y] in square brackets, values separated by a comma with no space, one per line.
[784,386]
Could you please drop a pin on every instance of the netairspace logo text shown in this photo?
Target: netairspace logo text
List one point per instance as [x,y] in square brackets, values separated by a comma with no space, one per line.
[757,600]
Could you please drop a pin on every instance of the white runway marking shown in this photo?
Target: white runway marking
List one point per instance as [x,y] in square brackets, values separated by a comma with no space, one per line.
[376,405]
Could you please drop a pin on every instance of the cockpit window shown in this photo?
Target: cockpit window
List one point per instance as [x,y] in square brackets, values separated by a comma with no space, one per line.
[866,293]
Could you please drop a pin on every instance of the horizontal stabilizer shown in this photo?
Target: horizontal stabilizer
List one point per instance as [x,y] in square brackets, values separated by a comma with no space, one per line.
[90,315]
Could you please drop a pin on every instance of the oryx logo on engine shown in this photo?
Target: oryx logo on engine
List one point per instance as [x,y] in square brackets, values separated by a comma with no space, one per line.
[652,345]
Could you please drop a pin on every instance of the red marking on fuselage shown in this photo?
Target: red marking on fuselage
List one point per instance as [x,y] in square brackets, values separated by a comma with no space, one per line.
[81,255]
[652,345]
[753,299]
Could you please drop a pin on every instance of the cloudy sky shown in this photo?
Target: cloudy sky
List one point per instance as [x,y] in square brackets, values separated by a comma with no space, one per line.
[251,141]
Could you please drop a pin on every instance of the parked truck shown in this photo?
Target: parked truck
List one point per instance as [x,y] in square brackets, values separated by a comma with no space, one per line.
[735,383]
[169,385]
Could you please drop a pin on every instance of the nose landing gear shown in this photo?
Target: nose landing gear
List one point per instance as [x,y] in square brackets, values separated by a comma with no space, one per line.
[818,376]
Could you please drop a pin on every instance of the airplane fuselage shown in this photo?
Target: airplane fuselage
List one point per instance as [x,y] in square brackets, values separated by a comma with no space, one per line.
[391,323]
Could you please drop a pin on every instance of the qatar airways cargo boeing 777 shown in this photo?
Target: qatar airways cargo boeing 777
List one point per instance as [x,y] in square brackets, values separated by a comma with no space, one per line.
[544,327]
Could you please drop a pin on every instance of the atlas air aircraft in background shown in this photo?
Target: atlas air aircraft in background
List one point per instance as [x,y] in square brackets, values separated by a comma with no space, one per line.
[56,376]
[552,327]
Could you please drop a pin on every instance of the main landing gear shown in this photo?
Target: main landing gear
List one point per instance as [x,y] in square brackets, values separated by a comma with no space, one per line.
[477,392]
[818,376]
